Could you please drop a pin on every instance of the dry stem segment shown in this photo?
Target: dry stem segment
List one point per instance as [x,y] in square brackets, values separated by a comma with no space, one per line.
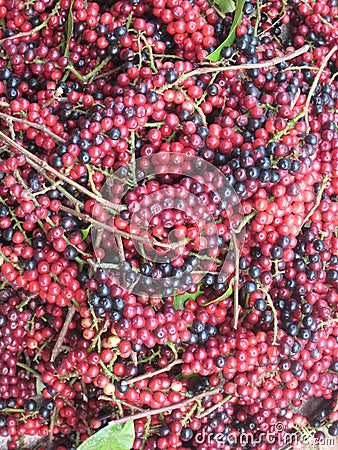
[44,165]
[152,374]
[315,82]
[123,402]
[153,412]
[213,408]
[63,332]
[261,65]
[89,219]
[318,199]
[274,312]
[51,429]
[39,127]
[34,30]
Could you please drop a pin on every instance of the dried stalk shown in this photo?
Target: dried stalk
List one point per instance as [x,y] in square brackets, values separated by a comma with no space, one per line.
[213,408]
[261,65]
[153,412]
[318,199]
[63,332]
[44,165]
[315,82]
[123,402]
[152,374]
[42,128]
[89,219]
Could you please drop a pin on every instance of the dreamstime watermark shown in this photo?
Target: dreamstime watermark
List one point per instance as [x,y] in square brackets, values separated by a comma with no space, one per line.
[166,222]
[278,436]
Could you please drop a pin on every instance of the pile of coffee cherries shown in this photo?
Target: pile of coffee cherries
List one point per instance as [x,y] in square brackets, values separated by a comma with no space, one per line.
[86,89]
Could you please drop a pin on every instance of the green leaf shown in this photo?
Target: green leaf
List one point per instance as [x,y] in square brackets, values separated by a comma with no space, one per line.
[85,232]
[117,437]
[187,377]
[216,55]
[226,294]
[40,386]
[69,28]
[227,6]
[179,299]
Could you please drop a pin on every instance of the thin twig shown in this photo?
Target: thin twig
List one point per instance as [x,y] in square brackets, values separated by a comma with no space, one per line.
[51,428]
[89,219]
[123,402]
[212,408]
[28,369]
[133,357]
[63,332]
[36,29]
[98,238]
[33,125]
[258,17]
[98,336]
[274,312]
[315,82]
[44,165]
[54,185]
[152,374]
[261,65]
[318,199]
[120,248]
[153,412]
[265,32]
[245,221]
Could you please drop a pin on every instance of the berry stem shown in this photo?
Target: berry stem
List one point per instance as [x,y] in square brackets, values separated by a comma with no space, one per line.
[13,410]
[89,219]
[152,374]
[188,416]
[132,163]
[97,339]
[274,311]
[318,199]
[80,77]
[258,18]
[36,29]
[146,432]
[123,402]
[328,322]
[28,369]
[213,408]
[245,221]
[291,124]
[91,75]
[151,56]
[315,82]
[44,165]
